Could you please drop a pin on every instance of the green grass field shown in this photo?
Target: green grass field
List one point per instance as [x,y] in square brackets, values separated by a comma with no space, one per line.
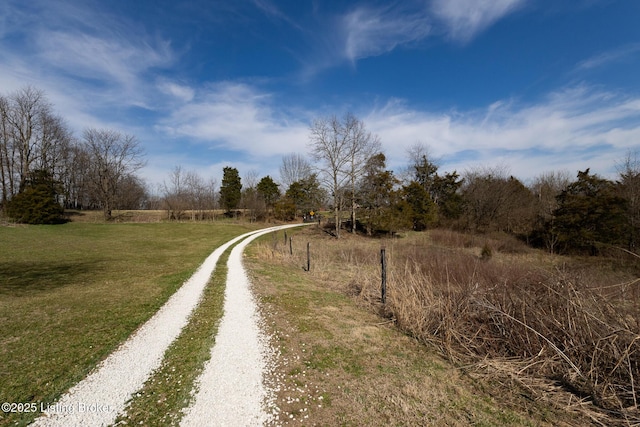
[69,294]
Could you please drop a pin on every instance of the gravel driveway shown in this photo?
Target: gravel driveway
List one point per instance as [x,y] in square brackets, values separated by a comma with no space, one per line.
[239,356]
[231,391]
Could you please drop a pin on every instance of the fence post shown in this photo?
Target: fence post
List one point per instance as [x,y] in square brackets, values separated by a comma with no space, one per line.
[285,237]
[290,246]
[308,256]
[383,262]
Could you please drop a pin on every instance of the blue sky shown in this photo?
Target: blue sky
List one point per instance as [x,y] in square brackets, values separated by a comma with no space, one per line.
[530,85]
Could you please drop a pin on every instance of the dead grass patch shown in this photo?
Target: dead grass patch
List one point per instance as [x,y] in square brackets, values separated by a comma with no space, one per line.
[538,328]
[341,363]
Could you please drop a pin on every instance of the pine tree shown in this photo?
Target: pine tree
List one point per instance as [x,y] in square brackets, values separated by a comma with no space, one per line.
[268,191]
[590,213]
[36,203]
[230,189]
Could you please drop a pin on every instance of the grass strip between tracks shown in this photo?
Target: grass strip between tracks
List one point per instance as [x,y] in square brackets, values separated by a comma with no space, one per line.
[169,390]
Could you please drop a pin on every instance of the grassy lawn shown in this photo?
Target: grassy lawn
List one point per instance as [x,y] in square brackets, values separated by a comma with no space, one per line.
[69,294]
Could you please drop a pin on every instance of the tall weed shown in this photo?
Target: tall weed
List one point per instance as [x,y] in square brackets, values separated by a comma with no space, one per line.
[544,317]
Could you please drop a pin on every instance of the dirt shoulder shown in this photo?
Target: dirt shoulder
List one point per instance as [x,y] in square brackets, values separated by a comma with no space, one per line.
[341,364]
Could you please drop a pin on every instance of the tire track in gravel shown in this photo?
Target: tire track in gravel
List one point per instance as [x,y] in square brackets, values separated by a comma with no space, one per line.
[100,397]
[231,390]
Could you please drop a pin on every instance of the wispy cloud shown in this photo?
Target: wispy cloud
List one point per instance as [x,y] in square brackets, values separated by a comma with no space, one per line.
[103,58]
[368,31]
[464,19]
[94,67]
[238,117]
[66,44]
[182,92]
[571,129]
[609,57]
[272,11]
[372,32]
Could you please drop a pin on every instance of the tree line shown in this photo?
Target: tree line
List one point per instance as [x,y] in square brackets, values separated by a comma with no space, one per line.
[44,168]
[586,213]
[346,173]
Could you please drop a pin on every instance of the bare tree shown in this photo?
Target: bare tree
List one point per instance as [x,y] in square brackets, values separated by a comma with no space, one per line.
[73,175]
[496,201]
[28,106]
[330,148]
[629,187]
[199,195]
[113,156]
[31,137]
[361,147]
[132,193]
[174,194]
[250,201]
[250,179]
[294,168]
[6,169]
[546,188]
[55,142]
[188,191]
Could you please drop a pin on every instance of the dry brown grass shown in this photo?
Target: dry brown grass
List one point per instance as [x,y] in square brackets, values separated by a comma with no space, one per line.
[565,331]
[555,324]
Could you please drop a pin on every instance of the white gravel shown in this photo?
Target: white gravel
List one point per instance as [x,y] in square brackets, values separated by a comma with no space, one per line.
[101,396]
[231,389]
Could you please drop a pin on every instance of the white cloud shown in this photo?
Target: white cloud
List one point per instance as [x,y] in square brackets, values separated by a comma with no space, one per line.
[108,58]
[238,117]
[612,56]
[368,31]
[464,19]
[571,129]
[100,57]
[372,32]
[273,11]
[72,45]
[182,92]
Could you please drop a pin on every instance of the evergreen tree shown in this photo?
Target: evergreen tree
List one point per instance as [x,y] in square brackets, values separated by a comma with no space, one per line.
[419,209]
[36,203]
[424,171]
[445,195]
[230,189]
[379,197]
[268,191]
[306,195]
[590,213]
